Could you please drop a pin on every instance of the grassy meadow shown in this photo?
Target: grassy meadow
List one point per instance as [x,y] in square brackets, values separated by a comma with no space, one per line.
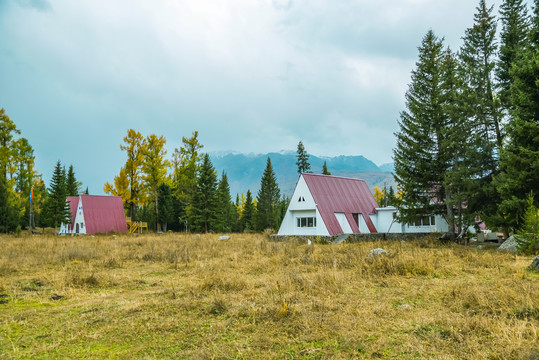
[188,296]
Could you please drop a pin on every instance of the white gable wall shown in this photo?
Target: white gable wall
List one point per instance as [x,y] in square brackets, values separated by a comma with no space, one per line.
[302,205]
[79,219]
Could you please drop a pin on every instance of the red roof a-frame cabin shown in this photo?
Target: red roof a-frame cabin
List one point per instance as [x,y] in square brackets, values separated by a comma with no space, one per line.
[329,205]
[92,214]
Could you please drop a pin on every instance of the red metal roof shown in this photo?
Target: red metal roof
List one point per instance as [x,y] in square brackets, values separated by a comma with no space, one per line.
[333,194]
[73,202]
[102,214]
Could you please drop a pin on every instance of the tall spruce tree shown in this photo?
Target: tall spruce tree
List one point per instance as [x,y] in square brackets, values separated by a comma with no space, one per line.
[459,148]
[325,169]
[247,216]
[420,156]
[519,159]
[303,159]
[186,165]
[477,56]
[166,210]
[515,23]
[72,185]
[477,60]
[268,200]
[225,213]
[202,212]
[56,207]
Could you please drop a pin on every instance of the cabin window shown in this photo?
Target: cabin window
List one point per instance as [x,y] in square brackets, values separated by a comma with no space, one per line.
[82,225]
[306,222]
[356,218]
[301,199]
[425,221]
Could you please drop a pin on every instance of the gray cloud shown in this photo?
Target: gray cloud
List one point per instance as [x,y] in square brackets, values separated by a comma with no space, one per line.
[250,76]
[39,5]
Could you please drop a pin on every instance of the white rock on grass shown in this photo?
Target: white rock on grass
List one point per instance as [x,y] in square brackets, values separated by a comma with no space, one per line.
[224,237]
[509,245]
[378,252]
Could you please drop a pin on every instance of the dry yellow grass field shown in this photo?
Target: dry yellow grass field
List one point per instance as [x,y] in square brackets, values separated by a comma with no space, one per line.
[187,296]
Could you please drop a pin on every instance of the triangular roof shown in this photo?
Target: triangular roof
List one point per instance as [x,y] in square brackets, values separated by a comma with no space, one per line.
[334,194]
[73,202]
[103,214]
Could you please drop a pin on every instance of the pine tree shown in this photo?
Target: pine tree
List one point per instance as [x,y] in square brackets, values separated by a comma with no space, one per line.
[72,185]
[56,206]
[186,165]
[202,211]
[420,157]
[477,59]
[166,210]
[303,159]
[247,217]
[519,159]
[515,23]
[528,234]
[283,207]
[268,200]
[225,213]
[391,196]
[325,169]
[460,147]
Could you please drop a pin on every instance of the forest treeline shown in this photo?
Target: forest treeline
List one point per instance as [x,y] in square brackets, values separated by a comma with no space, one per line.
[185,193]
[467,148]
[468,144]
[24,199]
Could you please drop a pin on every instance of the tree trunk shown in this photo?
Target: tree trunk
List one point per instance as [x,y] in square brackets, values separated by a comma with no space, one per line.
[450,217]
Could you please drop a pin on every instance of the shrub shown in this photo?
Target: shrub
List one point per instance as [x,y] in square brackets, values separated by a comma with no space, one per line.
[528,237]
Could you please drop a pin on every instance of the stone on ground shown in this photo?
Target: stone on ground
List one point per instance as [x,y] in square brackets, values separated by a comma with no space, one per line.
[535,264]
[509,245]
[378,252]
[224,237]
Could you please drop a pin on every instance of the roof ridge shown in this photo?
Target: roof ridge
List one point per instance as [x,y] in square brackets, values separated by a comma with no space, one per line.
[333,176]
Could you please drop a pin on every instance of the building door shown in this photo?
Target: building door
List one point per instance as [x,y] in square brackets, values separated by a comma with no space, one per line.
[77,229]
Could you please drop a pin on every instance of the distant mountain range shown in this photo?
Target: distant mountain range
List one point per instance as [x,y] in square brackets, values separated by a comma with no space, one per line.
[244,171]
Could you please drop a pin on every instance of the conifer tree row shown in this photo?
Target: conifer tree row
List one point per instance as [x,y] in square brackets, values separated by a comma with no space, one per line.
[468,142]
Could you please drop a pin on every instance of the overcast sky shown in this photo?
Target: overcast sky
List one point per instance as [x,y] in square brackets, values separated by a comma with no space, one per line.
[249,75]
